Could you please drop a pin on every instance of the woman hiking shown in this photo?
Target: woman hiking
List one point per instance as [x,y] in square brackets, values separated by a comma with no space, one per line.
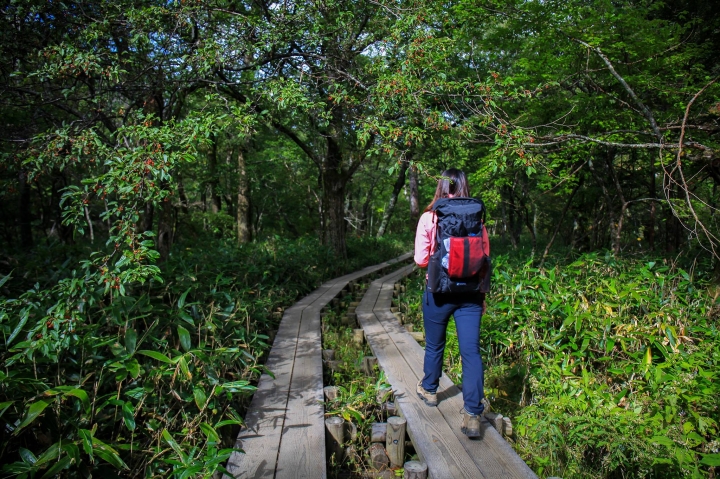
[451,241]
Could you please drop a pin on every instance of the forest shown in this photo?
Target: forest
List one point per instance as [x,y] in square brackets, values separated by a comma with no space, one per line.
[173,174]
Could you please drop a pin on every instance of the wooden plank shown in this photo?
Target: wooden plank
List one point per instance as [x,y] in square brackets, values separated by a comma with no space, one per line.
[260,437]
[303,437]
[430,433]
[493,455]
[289,408]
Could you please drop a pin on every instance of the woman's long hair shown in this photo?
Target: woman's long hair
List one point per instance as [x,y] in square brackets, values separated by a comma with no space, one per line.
[451,182]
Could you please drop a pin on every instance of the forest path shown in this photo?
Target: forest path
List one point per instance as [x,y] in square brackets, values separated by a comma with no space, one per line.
[284,431]
[435,431]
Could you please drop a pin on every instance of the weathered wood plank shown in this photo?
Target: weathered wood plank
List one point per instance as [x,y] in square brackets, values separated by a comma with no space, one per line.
[430,433]
[303,436]
[267,418]
[492,454]
[260,437]
[288,408]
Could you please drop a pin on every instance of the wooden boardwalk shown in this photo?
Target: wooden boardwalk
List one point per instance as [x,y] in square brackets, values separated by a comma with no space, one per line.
[435,431]
[284,432]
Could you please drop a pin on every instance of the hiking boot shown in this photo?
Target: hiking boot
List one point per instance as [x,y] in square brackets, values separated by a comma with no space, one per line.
[470,424]
[429,398]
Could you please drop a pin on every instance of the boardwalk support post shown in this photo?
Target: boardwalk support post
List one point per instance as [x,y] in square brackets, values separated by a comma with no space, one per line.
[395,440]
[415,470]
[378,458]
[335,437]
[359,335]
[331,392]
[379,432]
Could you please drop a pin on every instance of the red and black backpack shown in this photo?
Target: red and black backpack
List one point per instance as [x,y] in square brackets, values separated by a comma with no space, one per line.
[459,263]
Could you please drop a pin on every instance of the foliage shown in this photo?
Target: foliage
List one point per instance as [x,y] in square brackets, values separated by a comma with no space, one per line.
[152,380]
[607,365]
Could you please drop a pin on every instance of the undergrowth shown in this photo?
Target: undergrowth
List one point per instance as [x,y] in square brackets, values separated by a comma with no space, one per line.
[608,366]
[148,379]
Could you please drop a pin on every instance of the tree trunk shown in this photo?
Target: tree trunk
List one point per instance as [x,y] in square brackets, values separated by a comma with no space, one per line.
[148,217]
[414,197]
[165,229]
[24,212]
[243,200]
[183,197]
[399,183]
[215,200]
[334,185]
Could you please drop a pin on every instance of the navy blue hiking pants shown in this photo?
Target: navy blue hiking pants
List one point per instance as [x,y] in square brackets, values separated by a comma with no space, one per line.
[467,310]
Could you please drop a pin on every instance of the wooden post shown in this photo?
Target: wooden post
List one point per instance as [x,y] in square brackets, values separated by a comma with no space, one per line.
[418,336]
[379,432]
[331,392]
[328,354]
[495,420]
[415,470]
[409,328]
[271,335]
[395,440]
[335,437]
[333,365]
[367,365]
[507,427]
[358,336]
[378,458]
[395,309]
[390,408]
[383,394]
[351,431]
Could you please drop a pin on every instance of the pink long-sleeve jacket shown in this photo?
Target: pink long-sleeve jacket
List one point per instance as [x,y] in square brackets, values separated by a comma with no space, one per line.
[425,242]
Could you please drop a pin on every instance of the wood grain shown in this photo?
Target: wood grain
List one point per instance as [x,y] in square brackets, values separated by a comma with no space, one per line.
[284,433]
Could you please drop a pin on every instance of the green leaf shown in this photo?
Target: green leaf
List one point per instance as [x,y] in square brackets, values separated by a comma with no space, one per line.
[50,454]
[176,447]
[210,433]
[155,355]
[23,319]
[130,340]
[184,367]
[63,463]
[108,454]
[87,437]
[712,460]
[184,335]
[662,440]
[187,318]
[27,456]
[82,396]
[200,397]
[6,278]
[4,406]
[129,415]
[33,412]
[133,367]
[181,301]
